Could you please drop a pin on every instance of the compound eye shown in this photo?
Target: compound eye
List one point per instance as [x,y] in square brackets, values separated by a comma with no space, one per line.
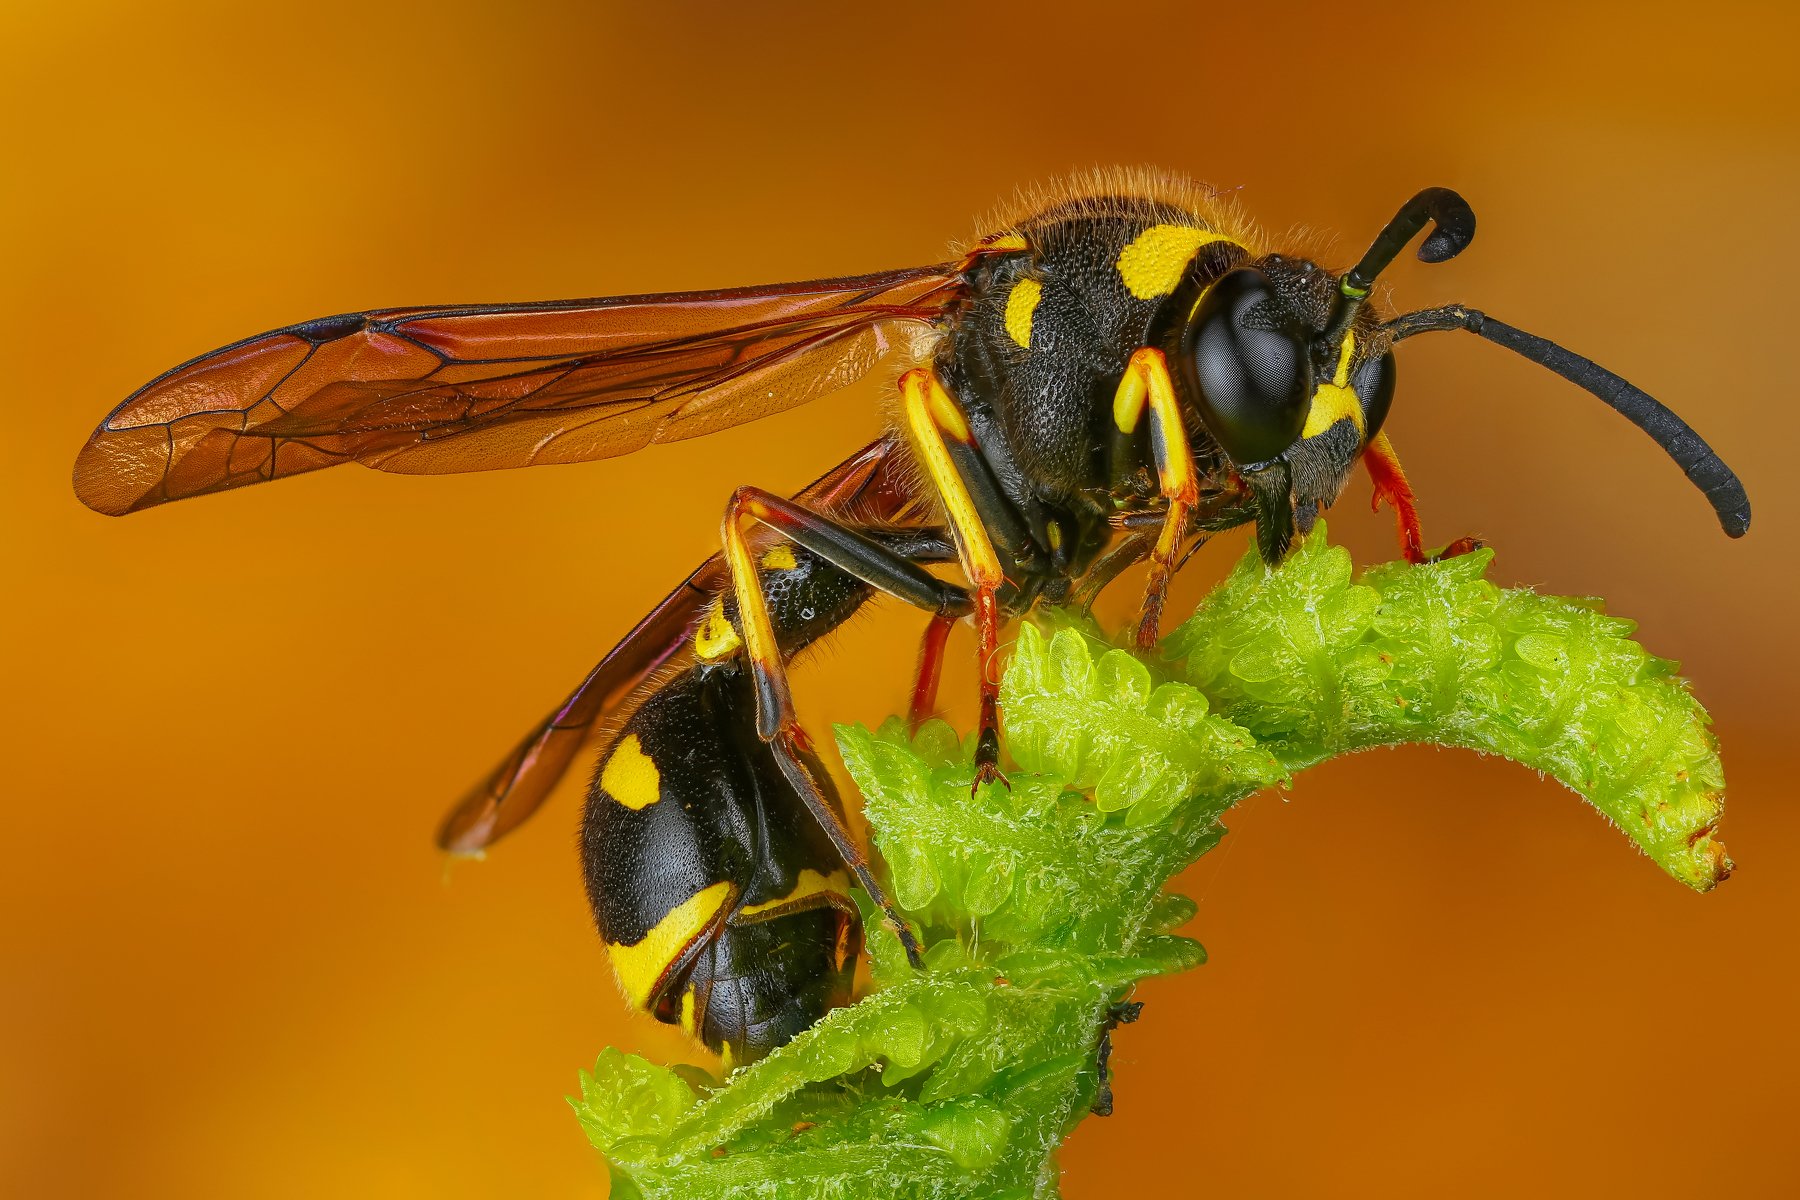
[1373,384]
[1247,367]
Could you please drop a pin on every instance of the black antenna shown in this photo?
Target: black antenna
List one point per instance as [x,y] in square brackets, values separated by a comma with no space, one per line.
[1455,229]
[1704,468]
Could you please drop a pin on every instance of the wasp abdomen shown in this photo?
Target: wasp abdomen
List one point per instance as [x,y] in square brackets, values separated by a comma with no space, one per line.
[722,902]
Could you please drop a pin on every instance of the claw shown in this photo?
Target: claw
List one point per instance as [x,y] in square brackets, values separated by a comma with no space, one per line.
[987,762]
[908,943]
[989,773]
[1461,546]
[1156,596]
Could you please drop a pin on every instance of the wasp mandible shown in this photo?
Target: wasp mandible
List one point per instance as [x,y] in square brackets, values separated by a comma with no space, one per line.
[1109,378]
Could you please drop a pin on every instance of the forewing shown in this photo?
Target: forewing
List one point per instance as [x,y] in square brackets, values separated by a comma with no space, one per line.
[870,486]
[435,390]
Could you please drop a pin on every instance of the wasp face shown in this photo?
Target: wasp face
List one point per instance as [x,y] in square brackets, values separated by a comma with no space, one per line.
[1291,410]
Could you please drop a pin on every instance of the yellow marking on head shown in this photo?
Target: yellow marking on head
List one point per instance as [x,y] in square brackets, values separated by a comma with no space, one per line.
[1340,377]
[1152,265]
[716,638]
[1334,401]
[641,967]
[687,1013]
[1021,305]
[779,558]
[629,776]
[810,883]
[1331,404]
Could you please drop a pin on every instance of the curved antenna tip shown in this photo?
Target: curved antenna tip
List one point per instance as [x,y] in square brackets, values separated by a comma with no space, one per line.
[1454,224]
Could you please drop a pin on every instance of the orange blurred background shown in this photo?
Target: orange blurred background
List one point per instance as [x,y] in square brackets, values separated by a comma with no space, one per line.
[233,965]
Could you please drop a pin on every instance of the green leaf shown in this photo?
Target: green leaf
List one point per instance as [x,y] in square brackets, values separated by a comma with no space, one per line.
[1041,903]
[1437,654]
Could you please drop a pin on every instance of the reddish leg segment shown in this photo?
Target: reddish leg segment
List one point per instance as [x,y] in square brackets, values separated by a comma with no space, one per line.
[931,669]
[1392,488]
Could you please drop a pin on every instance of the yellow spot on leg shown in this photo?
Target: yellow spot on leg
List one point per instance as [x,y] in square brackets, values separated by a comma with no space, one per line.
[948,417]
[1021,305]
[930,414]
[630,777]
[641,967]
[1152,265]
[1146,384]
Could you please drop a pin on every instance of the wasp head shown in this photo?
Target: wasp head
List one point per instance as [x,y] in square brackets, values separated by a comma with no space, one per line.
[1292,375]
[1288,395]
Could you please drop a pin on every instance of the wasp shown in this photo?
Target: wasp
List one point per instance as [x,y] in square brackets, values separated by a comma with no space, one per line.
[1108,378]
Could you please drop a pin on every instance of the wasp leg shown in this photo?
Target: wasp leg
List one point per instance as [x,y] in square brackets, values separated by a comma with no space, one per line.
[931,668]
[866,559]
[1146,384]
[931,415]
[851,551]
[1132,548]
[788,749]
[1391,486]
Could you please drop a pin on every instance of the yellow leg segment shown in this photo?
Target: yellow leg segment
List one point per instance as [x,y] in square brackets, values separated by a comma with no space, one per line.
[774,706]
[775,720]
[932,415]
[1146,385]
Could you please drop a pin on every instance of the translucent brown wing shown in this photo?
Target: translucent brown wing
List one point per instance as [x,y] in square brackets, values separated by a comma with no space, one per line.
[435,390]
[870,486]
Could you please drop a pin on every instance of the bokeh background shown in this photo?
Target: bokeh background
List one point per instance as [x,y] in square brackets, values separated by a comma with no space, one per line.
[235,966]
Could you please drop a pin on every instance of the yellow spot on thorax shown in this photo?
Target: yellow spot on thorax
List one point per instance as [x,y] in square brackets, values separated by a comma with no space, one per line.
[1021,306]
[641,967]
[1152,265]
[1334,401]
[1005,241]
[779,558]
[716,639]
[629,776]
[810,884]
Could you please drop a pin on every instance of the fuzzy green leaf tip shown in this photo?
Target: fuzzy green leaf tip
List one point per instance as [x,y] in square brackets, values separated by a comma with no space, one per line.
[1043,904]
[1325,665]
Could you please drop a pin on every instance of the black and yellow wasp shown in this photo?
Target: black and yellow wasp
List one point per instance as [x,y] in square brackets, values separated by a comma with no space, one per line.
[1105,380]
